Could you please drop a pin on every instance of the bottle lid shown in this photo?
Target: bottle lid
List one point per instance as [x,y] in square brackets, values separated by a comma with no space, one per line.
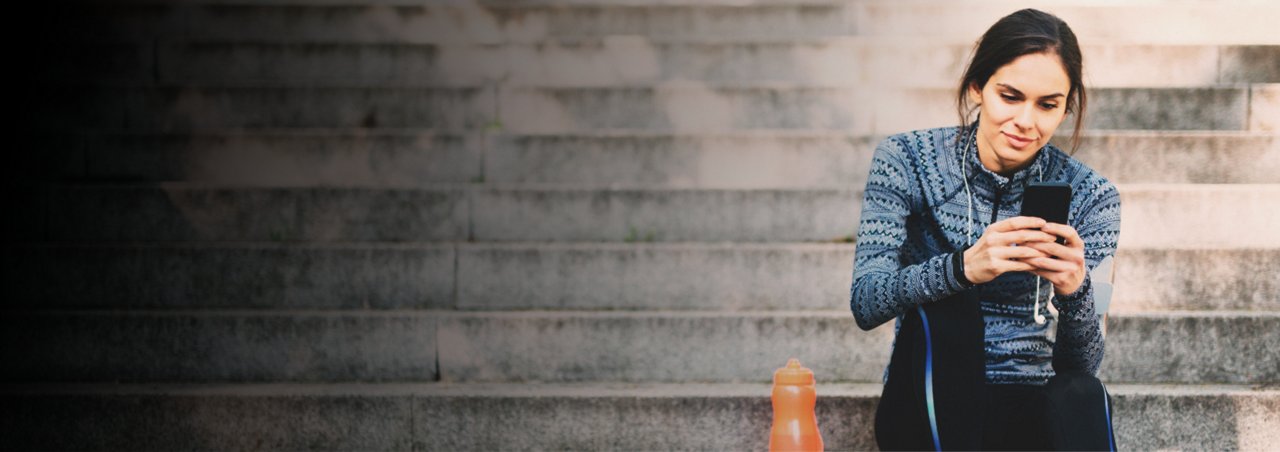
[793,374]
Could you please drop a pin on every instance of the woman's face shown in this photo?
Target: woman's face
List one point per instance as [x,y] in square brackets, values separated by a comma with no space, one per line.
[1022,104]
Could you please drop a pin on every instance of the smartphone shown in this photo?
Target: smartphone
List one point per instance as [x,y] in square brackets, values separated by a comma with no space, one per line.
[1047,200]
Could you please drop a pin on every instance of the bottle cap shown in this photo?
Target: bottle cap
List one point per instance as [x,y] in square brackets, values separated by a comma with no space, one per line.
[793,374]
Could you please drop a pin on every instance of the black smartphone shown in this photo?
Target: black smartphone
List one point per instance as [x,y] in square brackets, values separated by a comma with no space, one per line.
[1047,200]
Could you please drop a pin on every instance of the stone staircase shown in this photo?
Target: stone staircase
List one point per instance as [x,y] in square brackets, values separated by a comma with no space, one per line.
[577,224]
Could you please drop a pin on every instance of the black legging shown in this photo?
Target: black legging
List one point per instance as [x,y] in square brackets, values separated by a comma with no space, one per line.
[1071,412]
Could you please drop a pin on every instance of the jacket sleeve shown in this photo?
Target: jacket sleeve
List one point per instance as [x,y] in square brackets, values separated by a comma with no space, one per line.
[1079,344]
[883,288]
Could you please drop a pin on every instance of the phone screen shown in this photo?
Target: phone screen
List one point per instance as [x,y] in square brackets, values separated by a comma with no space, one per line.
[1047,200]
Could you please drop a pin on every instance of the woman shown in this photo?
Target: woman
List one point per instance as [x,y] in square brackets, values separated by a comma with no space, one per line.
[977,361]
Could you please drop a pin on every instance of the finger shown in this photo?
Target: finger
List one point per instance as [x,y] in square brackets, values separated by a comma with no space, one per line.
[1013,266]
[1046,275]
[1055,279]
[1016,223]
[1053,249]
[1053,265]
[1021,236]
[1016,253]
[1066,232]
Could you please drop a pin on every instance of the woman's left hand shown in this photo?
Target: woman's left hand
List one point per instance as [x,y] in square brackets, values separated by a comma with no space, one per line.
[1068,270]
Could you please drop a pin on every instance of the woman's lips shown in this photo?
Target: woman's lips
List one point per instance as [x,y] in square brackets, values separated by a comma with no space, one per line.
[1017,141]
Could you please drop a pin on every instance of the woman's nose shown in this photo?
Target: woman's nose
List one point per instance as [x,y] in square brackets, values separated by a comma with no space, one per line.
[1026,117]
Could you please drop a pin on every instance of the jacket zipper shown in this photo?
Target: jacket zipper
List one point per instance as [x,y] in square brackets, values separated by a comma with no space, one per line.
[995,205]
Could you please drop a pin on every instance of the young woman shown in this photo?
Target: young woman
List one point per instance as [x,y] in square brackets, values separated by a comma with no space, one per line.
[978,361]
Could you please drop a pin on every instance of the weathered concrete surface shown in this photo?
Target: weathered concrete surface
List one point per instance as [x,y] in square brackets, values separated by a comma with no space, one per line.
[230,276]
[1186,23]
[654,276]
[619,60]
[275,158]
[1199,215]
[681,346]
[218,346]
[535,213]
[1250,64]
[700,106]
[193,108]
[1193,347]
[1264,108]
[573,214]
[176,420]
[808,159]
[655,346]
[598,416]
[1149,280]
[782,276]
[193,212]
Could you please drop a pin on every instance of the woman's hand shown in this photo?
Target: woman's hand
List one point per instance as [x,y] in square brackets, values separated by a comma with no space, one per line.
[1006,246]
[1068,270]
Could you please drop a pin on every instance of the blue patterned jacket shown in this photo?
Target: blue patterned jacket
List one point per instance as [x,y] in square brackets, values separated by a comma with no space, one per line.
[913,222]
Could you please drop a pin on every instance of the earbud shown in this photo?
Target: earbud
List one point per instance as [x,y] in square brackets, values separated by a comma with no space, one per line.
[1035,311]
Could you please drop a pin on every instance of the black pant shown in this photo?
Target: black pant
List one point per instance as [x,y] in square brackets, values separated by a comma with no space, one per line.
[1069,413]
[938,355]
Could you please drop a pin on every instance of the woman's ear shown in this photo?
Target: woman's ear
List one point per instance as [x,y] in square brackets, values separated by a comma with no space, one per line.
[975,94]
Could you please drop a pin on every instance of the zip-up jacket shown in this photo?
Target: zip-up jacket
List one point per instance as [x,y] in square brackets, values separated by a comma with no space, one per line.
[913,229]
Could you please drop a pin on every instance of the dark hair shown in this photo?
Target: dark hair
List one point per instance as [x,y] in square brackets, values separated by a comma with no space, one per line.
[1025,32]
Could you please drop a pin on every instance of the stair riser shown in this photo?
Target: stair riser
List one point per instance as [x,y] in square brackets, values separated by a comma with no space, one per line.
[1142,421]
[680,107]
[143,422]
[836,161]
[1185,23]
[276,215]
[1210,216]
[353,158]
[487,277]
[183,109]
[231,277]
[396,159]
[562,347]
[71,347]
[628,60]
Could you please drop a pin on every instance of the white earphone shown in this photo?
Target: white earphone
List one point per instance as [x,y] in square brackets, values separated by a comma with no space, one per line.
[964,169]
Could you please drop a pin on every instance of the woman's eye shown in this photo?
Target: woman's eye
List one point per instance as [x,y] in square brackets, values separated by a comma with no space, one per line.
[1049,106]
[1009,97]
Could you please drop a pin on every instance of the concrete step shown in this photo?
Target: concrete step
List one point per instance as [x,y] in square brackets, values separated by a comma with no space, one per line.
[648,346]
[185,108]
[743,160]
[531,214]
[219,346]
[182,212]
[289,215]
[817,159]
[488,276]
[682,346]
[271,158]
[698,107]
[630,60]
[231,276]
[677,106]
[600,416]
[587,276]
[495,22]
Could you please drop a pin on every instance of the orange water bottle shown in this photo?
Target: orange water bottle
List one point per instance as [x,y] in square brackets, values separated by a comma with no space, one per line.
[795,427]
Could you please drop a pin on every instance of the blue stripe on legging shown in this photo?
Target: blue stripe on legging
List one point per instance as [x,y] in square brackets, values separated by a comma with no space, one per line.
[1106,405]
[928,380]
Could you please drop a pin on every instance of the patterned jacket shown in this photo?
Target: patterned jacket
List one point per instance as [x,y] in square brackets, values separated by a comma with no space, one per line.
[913,224]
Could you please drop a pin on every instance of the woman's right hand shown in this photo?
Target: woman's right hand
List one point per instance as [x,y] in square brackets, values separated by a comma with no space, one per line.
[997,251]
